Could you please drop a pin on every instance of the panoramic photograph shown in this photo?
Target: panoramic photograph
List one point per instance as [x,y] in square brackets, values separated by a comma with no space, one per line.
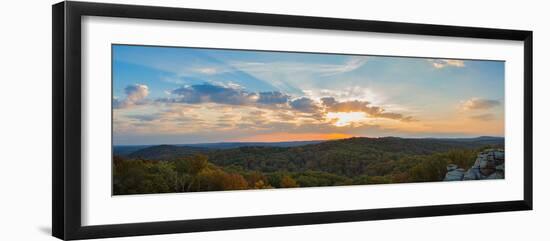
[188,119]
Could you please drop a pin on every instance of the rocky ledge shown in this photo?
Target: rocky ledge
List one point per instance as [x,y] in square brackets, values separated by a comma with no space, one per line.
[489,165]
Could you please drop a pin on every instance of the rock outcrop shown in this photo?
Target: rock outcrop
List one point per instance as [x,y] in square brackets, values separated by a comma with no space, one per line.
[489,164]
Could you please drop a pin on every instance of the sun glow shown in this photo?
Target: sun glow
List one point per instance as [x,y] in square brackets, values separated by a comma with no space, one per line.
[285,136]
[346,118]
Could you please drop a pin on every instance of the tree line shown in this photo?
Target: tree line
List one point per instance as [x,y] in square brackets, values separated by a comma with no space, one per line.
[197,172]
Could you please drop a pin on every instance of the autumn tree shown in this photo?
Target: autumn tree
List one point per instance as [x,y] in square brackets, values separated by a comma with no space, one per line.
[262,185]
[257,180]
[288,181]
[233,181]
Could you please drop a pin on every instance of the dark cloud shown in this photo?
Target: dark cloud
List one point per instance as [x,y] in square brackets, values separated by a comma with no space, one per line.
[328,101]
[206,93]
[304,104]
[273,97]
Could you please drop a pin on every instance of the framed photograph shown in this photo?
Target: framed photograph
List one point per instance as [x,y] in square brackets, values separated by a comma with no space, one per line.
[169,120]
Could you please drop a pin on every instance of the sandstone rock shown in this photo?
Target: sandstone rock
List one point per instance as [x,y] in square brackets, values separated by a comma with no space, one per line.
[455,174]
[472,174]
[489,164]
[451,167]
[496,175]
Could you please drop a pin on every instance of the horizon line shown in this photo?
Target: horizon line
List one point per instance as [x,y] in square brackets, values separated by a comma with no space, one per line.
[222,142]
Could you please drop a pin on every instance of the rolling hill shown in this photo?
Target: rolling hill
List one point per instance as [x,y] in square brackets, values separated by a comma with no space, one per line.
[347,157]
[165,152]
[354,161]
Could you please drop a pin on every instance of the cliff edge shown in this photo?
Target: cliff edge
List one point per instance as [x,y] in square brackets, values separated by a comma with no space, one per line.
[489,164]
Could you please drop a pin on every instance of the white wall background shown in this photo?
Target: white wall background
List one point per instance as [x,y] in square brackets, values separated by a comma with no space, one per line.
[25,126]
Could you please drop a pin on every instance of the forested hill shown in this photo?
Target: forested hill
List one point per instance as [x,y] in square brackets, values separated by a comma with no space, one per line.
[165,152]
[347,157]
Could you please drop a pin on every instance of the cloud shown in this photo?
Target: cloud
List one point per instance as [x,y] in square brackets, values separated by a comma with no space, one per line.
[208,70]
[483,117]
[395,116]
[136,92]
[351,64]
[349,93]
[345,106]
[332,105]
[207,93]
[299,68]
[297,115]
[304,104]
[232,95]
[273,97]
[144,117]
[302,107]
[442,63]
[479,104]
[135,95]
[329,101]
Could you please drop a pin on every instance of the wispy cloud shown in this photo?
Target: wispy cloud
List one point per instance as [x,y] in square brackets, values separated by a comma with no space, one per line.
[483,117]
[442,63]
[351,64]
[478,104]
[208,70]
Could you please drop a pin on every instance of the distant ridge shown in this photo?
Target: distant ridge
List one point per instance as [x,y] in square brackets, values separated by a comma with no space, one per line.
[124,150]
[285,152]
[229,145]
[165,152]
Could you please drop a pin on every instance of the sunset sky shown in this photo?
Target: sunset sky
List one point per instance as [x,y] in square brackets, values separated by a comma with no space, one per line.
[165,95]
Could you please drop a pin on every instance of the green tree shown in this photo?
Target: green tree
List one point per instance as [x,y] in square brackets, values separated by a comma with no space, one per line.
[139,177]
[188,170]
[431,169]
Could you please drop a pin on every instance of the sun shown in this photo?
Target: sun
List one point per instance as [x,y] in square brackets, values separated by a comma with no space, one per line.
[346,118]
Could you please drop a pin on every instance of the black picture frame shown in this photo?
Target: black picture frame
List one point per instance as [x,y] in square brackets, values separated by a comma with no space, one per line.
[66,75]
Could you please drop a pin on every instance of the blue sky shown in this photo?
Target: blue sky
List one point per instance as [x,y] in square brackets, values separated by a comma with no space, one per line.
[191,95]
